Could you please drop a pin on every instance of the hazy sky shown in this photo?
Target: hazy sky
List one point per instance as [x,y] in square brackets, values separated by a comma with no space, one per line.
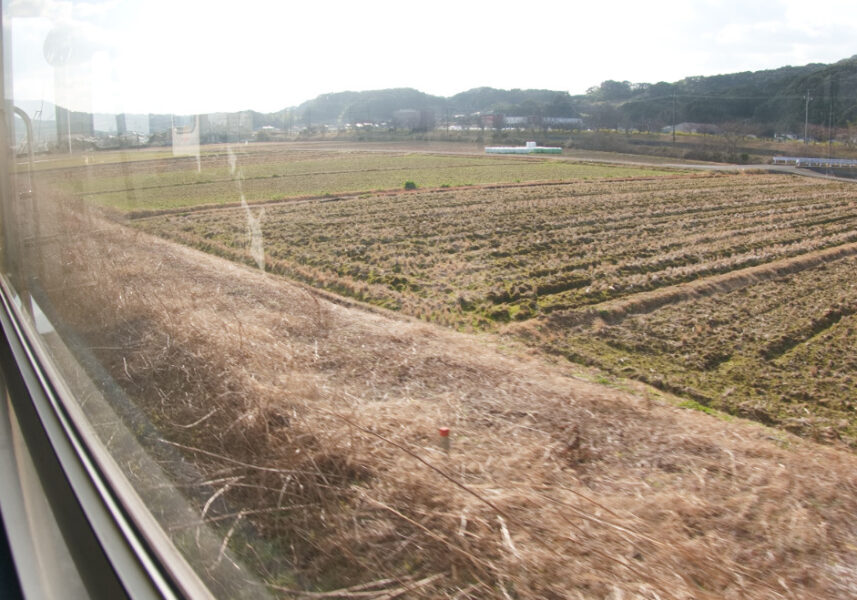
[188,56]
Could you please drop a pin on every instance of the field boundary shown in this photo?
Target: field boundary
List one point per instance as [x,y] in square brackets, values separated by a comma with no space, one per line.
[614,311]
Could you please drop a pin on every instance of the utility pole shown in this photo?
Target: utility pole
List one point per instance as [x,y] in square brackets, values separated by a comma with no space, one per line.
[829,134]
[673,117]
[806,119]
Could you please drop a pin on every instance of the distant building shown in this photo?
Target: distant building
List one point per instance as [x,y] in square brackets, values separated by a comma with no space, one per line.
[121,126]
[529,148]
[413,119]
[707,128]
[563,122]
[515,121]
[226,127]
[530,121]
[72,124]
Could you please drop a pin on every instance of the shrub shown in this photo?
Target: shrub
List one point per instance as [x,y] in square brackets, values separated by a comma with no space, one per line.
[410,185]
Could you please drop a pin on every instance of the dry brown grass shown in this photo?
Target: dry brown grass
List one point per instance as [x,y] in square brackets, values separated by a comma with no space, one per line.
[317,424]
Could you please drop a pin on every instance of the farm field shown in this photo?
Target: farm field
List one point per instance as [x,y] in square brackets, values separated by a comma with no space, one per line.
[546,262]
[148,181]
[301,425]
[314,427]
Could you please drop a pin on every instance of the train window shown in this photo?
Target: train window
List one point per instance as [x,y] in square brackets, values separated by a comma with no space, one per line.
[295,306]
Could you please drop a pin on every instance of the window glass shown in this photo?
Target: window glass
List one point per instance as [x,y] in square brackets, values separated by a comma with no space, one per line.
[348,339]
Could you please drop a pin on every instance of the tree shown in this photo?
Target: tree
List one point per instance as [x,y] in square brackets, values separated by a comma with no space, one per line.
[611,90]
[605,116]
[560,106]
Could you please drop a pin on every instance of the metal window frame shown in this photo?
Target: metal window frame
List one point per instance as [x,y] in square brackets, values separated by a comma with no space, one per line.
[111,552]
[118,547]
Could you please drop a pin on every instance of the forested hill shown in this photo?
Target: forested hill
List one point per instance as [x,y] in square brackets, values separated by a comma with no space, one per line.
[515,102]
[381,105]
[367,107]
[763,100]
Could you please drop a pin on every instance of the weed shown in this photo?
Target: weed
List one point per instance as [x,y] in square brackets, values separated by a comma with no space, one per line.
[694,405]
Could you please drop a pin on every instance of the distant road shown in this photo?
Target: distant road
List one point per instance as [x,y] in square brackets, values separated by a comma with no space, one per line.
[723,167]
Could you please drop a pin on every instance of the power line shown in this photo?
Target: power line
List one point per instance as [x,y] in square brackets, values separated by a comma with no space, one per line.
[717,97]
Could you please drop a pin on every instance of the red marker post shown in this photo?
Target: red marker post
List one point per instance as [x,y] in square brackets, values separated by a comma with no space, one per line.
[444,438]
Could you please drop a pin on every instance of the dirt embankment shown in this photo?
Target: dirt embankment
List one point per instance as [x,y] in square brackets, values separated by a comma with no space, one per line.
[317,423]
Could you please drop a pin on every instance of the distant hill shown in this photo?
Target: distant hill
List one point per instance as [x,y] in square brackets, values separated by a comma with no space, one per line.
[381,105]
[833,89]
[765,101]
[365,107]
[547,103]
[770,99]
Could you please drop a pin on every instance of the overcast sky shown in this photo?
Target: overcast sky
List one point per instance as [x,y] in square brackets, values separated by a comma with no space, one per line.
[188,56]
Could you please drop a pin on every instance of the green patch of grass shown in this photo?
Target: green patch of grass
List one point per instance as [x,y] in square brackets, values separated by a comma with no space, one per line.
[694,405]
[145,184]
